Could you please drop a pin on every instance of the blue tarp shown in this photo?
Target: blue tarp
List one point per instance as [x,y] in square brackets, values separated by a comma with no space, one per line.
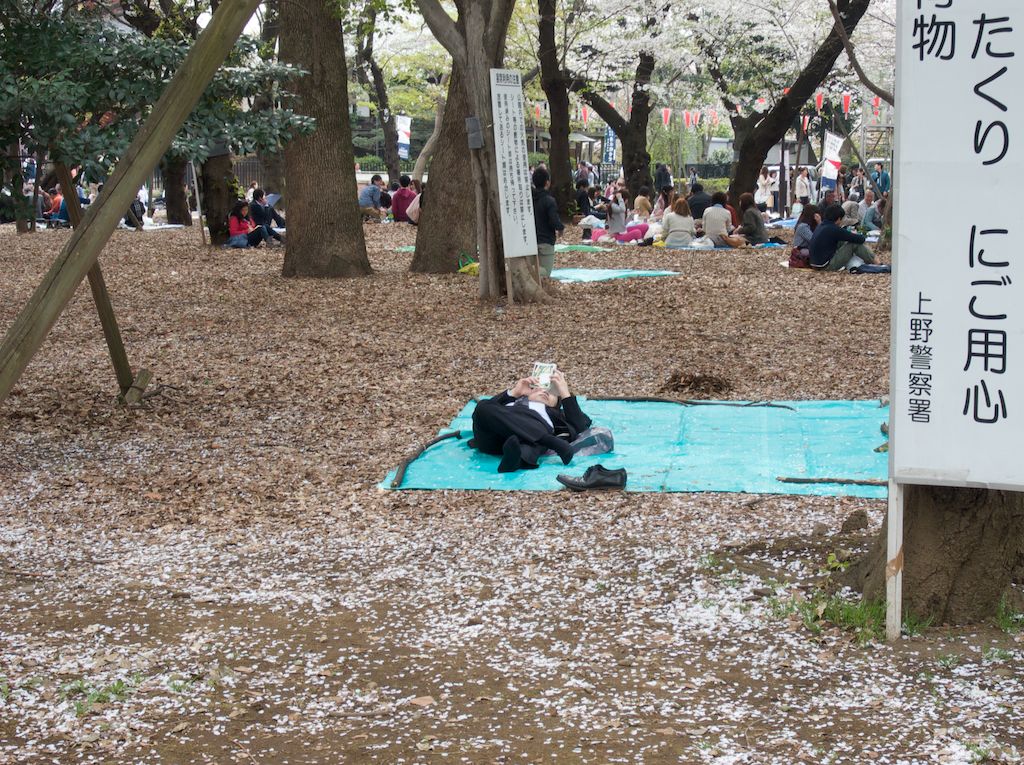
[602,274]
[668,447]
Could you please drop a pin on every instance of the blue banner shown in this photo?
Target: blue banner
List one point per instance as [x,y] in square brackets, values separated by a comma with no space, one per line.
[609,146]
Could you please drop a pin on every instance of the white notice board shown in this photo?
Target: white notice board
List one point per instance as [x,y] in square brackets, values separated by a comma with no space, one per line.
[518,232]
[958,294]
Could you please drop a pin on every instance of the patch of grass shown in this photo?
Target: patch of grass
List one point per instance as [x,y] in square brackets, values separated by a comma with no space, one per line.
[181,685]
[834,564]
[781,609]
[866,619]
[950,660]
[732,579]
[1008,619]
[978,752]
[85,695]
[997,654]
[710,562]
[914,625]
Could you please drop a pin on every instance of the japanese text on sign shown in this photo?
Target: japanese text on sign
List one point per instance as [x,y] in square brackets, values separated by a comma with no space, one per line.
[518,232]
[958,380]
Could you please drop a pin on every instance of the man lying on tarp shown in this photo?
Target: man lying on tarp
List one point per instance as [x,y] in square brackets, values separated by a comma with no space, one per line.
[535,417]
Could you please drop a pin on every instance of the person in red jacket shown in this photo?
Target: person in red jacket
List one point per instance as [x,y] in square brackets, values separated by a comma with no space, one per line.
[401,199]
[243,232]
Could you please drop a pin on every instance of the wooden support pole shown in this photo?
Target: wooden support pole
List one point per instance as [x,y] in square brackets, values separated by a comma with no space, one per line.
[100,296]
[199,200]
[81,251]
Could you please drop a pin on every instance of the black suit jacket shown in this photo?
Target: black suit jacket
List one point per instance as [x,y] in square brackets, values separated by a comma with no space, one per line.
[494,421]
[265,215]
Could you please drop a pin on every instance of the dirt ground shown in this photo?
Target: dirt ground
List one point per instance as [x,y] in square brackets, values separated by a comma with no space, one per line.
[215,576]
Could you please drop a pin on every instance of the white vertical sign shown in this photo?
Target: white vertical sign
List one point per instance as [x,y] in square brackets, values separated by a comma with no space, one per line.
[518,232]
[403,124]
[958,310]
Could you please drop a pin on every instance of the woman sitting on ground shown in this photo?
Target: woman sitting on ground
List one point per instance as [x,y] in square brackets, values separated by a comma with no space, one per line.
[616,210]
[243,232]
[809,219]
[677,227]
[752,224]
[663,204]
[642,204]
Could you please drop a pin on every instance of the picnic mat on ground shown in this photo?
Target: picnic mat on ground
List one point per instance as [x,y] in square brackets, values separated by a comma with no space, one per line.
[580,248]
[708,446]
[578,275]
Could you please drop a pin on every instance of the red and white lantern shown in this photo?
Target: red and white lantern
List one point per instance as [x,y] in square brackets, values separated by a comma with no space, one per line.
[714,117]
[819,100]
[586,116]
[805,122]
[536,111]
[847,99]
[666,115]
[696,118]
[686,118]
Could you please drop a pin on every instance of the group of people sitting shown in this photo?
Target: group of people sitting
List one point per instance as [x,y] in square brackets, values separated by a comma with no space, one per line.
[824,239]
[401,202]
[677,219]
[250,224]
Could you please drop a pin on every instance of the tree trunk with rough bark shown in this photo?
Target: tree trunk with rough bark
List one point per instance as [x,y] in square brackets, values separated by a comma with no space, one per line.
[771,127]
[217,178]
[961,549]
[476,42]
[631,132]
[324,239]
[175,192]
[556,88]
[447,225]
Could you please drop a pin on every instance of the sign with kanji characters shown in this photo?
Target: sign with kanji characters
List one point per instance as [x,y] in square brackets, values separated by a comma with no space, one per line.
[608,157]
[518,231]
[957,383]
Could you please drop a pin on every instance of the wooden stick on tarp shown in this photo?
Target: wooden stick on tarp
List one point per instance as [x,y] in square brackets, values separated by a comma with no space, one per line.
[79,255]
[842,481]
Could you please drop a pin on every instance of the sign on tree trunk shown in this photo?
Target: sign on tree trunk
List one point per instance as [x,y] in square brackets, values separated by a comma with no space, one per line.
[958,315]
[518,232]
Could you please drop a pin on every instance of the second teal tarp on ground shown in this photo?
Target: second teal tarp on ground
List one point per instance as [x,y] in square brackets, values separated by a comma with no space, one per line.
[580,275]
[667,447]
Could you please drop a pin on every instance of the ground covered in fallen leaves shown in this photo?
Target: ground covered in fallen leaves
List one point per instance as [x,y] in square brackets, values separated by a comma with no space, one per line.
[214,576]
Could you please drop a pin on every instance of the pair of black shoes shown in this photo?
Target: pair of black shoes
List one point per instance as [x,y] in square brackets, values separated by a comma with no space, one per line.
[596,477]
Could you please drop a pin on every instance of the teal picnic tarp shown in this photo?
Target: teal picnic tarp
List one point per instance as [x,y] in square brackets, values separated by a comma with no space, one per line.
[578,275]
[670,447]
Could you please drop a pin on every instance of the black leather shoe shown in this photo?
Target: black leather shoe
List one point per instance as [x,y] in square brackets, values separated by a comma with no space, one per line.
[596,477]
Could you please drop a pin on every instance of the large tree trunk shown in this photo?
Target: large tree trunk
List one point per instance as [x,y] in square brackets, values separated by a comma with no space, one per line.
[961,550]
[217,178]
[175,193]
[431,144]
[773,125]
[447,225]
[556,88]
[325,238]
[477,44]
[632,132]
